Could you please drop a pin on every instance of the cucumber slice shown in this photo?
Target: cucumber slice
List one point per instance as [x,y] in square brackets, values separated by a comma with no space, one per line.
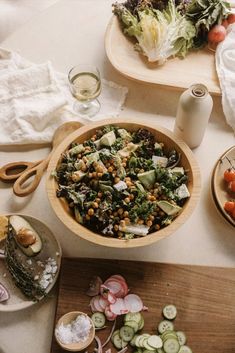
[181,337]
[155,341]
[142,339]
[132,342]
[137,341]
[137,317]
[147,346]
[171,346]
[117,341]
[165,325]
[169,312]
[132,324]
[126,333]
[169,334]
[141,324]
[98,319]
[185,349]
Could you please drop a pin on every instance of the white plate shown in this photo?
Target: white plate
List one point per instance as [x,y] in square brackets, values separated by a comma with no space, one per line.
[51,248]
[218,184]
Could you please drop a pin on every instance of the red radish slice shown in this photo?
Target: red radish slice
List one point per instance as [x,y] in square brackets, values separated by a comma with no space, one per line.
[95,304]
[133,303]
[103,302]
[109,314]
[118,277]
[111,298]
[117,287]
[119,307]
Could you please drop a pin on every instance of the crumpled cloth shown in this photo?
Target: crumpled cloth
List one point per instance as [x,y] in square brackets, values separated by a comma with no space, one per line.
[225,66]
[35,100]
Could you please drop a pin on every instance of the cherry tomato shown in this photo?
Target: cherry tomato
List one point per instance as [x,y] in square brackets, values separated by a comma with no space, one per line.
[229,175]
[217,34]
[231,186]
[231,18]
[229,206]
[225,23]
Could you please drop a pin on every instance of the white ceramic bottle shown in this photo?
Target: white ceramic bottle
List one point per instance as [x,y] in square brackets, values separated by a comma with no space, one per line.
[193,112]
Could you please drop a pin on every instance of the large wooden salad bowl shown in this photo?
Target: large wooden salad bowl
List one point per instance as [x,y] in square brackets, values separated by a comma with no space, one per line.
[188,161]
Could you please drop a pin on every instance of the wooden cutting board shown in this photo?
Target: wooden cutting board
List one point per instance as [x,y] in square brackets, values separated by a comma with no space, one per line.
[204,297]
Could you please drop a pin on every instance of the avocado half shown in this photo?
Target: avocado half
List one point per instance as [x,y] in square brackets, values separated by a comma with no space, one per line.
[18,223]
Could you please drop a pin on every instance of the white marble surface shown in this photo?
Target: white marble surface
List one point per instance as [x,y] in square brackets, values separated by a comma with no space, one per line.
[70,32]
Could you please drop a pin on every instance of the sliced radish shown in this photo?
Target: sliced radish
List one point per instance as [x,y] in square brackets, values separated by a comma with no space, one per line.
[95,304]
[119,307]
[117,287]
[133,303]
[103,302]
[111,316]
[4,294]
[111,298]
[119,277]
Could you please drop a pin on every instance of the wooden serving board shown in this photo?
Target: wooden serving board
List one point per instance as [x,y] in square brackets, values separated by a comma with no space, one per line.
[204,297]
[197,67]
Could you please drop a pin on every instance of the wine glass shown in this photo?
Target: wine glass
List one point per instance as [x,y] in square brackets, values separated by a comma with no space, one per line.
[85,85]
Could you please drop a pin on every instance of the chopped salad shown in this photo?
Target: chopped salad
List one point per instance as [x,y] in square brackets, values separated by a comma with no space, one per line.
[122,184]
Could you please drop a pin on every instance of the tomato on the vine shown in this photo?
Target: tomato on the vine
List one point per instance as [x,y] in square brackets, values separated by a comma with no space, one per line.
[231,186]
[229,206]
[229,175]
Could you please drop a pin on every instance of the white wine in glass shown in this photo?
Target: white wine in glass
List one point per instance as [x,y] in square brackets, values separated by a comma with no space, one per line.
[85,85]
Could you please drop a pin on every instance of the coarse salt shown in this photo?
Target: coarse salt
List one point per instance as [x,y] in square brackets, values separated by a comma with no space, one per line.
[75,332]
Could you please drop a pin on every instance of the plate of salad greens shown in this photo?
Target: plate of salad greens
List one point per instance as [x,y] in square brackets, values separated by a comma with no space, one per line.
[122,183]
[161,41]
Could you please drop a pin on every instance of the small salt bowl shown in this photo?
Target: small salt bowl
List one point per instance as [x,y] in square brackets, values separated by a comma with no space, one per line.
[62,325]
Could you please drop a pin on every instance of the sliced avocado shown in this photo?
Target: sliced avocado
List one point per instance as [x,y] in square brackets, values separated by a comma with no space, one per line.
[124,134]
[168,208]
[177,170]
[126,151]
[147,178]
[77,149]
[18,223]
[108,139]
[92,157]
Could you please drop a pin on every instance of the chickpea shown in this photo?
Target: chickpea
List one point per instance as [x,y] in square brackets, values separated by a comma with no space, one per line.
[124,160]
[110,169]
[115,214]
[157,226]
[87,217]
[120,211]
[126,214]
[97,200]
[92,139]
[127,179]
[99,194]
[124,164]
[94,174]
[116,180]
[127,220]
[128,183]
[107,165]
[84,168]
[161,213]
[141,171]
[122,223]
[95,205]
[132,196]
[151,218]
[149,223]
[87,148]
[90,212]
[116,228]
[99,175]
[140,221]
[100,169]
[152,198]
[90,175]
[127,199]
[79,155]
[148,197]
[114,173]
[84,159]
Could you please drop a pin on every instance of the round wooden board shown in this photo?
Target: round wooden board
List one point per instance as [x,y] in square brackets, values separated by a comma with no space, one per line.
[219,186]
[196,67]
[161,134]
[51,248]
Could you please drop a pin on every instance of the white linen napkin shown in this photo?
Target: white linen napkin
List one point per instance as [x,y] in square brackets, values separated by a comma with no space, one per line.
[35,100]
[225,66]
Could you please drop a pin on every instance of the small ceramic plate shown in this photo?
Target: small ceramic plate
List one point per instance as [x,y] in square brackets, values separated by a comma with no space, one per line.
[219,186]
[51,249]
